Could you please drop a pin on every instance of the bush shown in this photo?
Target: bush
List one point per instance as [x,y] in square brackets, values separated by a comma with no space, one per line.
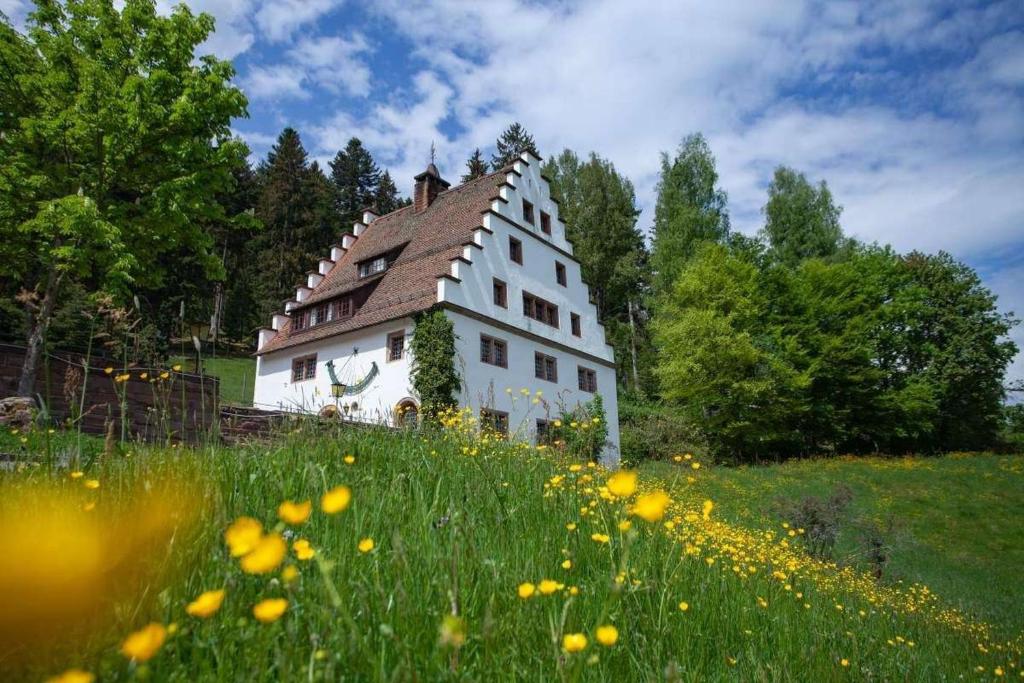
[651,431]
[582,432]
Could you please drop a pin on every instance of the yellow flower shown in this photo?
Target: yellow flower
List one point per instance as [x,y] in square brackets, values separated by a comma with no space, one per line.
[574,642]
[452,632]
[144,375]
[695,465]
[77,475]
[176,368]
[266,555]
[108,370]
[164,374]
[349,459]
[708,507]
[683,606]
[73,676]
[289,573]
[624,525]
[567,564]
[547,587]
[366,545]
[622,483]
[607,635]
[92,484]
[294,513]
[526,590]
[651,506]
[144,643]
[846,662]
[206,605]
[303,550]
[571,526]
[600,538]
[336,500]
[269,610]
[243,535]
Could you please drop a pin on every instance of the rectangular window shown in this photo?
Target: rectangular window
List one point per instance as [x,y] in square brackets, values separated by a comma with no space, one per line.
[396,345]
[320,314]
[574,320]
[493,351]
[303,368]
[343,308]
[515,250]
[528,212]
[298,321]
[373,266]
[494,420]
[560,273]
[545,367]
[539,309]
[545,223]
[587,379]
[500,293]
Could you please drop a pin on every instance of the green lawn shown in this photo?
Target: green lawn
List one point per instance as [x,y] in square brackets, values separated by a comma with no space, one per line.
[958,520]
[236,375]
[458,525]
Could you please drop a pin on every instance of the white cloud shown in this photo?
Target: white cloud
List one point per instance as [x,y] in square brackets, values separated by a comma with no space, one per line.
[275,82]
[16,11]
[233,29]
[335,63]
[280,19]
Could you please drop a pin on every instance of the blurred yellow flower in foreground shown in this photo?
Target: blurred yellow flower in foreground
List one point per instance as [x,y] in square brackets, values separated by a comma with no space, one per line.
[622,483]
[366,545]
[303,550]
[574,642]
[92,483]
[349,459]
[607,635]
[243,535]
[266,556]
[526,590]
[294,513]
[144,643]
[336,500]
[270,610]
[651,506]
[206,605]
[289,573]
[73,676]
[452,632]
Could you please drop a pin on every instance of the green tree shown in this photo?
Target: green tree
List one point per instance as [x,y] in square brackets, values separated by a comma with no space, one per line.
[513,141]
[356,178]
[802,221]
[295,208]
[434,375]
[690,209]
[387,198]
[476,167]
[117,147]
[598,207]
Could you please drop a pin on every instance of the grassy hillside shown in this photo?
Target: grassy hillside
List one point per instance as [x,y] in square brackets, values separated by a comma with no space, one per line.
[954,523]
[237,376]
[458,526]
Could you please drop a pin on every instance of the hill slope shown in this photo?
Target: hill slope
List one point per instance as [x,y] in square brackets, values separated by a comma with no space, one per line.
[458,526]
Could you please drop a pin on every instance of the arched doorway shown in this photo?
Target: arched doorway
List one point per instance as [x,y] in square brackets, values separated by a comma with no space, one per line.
[407,413]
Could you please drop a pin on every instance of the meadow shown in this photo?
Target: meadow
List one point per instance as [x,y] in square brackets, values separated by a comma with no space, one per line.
[446,557]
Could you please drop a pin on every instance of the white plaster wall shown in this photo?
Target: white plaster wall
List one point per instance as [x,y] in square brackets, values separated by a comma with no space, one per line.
[485,386]
[274,388]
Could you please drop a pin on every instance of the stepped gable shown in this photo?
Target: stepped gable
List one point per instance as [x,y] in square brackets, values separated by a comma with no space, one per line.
[433,235]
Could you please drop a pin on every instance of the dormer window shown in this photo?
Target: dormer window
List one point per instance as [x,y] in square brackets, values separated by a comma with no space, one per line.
[373,266]
[528,212]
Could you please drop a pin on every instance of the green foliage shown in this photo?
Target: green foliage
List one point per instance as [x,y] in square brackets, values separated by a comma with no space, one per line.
[802,220]
[691,209]
[476,167]
[598,206]
[1012,436]
[356,179]
[652,430]
[512,142]
[434,376]
[582,431]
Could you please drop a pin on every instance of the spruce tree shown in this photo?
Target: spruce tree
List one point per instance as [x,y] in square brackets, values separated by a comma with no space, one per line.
[387,197]
[512,142]
[356,179]
[691,209]
[476,167]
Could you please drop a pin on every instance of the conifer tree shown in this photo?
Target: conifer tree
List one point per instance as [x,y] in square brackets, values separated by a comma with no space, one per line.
[356,178]
[387,197]
[512,142]
[476,167]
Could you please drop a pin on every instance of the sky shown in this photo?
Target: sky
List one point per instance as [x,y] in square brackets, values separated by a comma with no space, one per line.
[912,111]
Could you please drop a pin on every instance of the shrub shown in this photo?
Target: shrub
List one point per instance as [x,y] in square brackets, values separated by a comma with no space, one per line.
[651,431]
[583,430]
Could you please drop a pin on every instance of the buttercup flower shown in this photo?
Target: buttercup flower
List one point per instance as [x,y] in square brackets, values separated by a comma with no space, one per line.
[600,538]
[269,610]
[547,587]
[144,643]
[683,606]
[294,513]
[73,676]
[622,484]
[651,506]
[303,550]
[266,556]
[206,605]
[243,535]
[289,573]
[336,500]
[349,459]
[92,484]
[607,635]
[574,642]
[366,545]
[526,590]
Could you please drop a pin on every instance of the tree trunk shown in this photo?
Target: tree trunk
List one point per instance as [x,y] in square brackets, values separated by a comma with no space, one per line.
[39,322]
[632,347]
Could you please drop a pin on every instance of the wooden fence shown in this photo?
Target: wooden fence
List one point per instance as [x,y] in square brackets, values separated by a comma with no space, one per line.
[155,403]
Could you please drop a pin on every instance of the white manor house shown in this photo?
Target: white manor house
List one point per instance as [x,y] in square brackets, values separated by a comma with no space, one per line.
[493,255]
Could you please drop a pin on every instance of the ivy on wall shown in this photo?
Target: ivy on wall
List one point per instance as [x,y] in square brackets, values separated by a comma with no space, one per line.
[434,377]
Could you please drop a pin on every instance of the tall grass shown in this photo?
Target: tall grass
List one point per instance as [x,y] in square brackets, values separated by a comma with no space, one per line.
[458,525]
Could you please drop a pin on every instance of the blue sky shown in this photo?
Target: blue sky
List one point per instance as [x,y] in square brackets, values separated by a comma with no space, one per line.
[913,111]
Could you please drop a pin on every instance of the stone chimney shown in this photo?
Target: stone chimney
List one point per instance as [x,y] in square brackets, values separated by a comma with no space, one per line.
[428,185]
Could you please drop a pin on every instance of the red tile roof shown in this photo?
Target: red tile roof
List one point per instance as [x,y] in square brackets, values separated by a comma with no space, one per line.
[432,238]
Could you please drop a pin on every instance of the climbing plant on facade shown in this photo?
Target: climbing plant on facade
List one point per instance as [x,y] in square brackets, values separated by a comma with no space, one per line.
[434,376]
